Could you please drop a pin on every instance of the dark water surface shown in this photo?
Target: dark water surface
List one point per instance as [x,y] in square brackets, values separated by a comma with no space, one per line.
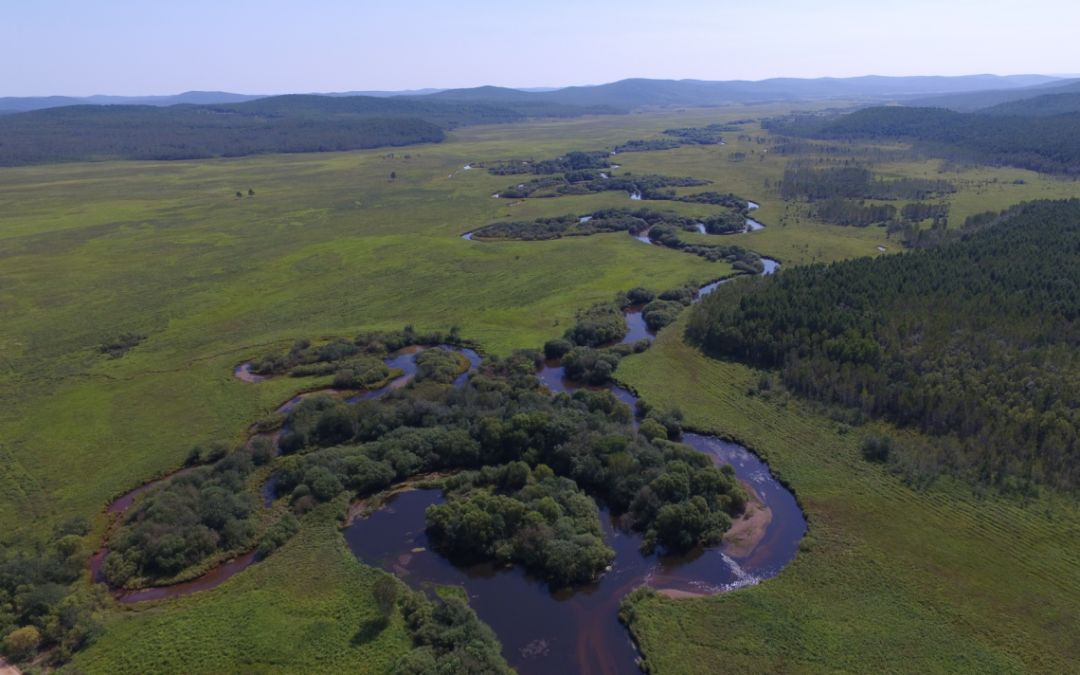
[576,630]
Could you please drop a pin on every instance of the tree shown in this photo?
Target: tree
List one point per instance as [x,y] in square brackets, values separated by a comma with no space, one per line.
[239,195]
[251,193]
[384,591]
[393,175]
[22,642]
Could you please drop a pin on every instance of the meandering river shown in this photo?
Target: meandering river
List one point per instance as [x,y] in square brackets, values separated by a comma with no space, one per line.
[541,630]
[577,629]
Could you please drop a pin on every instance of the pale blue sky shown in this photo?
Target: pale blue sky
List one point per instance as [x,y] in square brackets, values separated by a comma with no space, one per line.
[81,47]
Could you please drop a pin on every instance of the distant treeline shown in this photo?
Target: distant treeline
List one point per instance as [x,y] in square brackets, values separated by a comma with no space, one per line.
[709,135]
[587,181]
[1046,143]
[973,342]
[855,182]
[188,132]
[279,124]
[571,161]
[662,228]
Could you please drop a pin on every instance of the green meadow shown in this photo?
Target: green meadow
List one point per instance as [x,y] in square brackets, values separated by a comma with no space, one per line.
[330,245]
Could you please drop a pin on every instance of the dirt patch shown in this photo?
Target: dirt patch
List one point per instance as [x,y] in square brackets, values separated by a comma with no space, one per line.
[747,532]
[7,668]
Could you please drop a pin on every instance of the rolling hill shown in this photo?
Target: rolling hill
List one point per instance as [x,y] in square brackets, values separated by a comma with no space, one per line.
[978,100]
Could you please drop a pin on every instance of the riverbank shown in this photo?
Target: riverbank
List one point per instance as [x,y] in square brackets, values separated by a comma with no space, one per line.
[887,575]
[749,529]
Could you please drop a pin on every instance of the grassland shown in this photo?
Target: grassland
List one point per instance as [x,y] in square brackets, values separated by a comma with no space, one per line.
[304,608]
[889,579]
[329,245]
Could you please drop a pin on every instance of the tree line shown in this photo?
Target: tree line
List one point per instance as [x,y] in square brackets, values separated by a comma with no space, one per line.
[972,342]
[1046,143]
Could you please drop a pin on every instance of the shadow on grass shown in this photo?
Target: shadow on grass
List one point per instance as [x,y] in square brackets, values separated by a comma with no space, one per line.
[370,629]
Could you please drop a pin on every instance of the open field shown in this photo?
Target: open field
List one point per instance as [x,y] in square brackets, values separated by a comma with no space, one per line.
[301,609]
[329,245]
[889,579]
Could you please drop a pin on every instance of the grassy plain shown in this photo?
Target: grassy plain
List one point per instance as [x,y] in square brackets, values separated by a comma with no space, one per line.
[329,245]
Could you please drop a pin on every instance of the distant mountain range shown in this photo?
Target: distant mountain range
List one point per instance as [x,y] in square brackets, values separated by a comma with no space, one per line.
[623,95]
[977,100]
[202,124]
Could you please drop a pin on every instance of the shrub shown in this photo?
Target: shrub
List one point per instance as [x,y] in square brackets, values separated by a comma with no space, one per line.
[21,643]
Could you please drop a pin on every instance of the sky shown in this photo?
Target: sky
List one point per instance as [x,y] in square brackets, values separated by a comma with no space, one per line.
[143,47]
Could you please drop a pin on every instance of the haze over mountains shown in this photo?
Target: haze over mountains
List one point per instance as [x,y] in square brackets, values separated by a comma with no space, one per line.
[201,124]
[623,94]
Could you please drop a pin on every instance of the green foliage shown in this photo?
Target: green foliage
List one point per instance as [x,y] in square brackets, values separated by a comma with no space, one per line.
[22,642]
[709,135]
[385,592]
[546,524]
[44,603]
[956,341]
[448,638]
[877,448]
[440,365]
[854,182]
[659,313]
[190,132]
[571,161]
[740,258]
[557,348]
[599,325]
[177,526]
[649,145]
[499,417]
[277,534]
[1048,143]
[354,363]
[120,345]
[591,181]
[590,366]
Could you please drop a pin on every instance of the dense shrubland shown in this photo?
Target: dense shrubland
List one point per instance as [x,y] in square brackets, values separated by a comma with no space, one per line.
[121,344]
[45,606]
[649,145]
[447,637]
[662,227]
[973,342]
[667,491]
[740,258]
[571,161]
[591,181]
[709,135]
[358,362]
[801,181]
[194,516]
[515,513]
[851,195]
[601,324]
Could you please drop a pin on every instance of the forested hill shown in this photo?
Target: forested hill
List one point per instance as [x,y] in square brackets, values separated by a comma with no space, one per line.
[1051,104]
[974,343]
[296,123]
[1041,143]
